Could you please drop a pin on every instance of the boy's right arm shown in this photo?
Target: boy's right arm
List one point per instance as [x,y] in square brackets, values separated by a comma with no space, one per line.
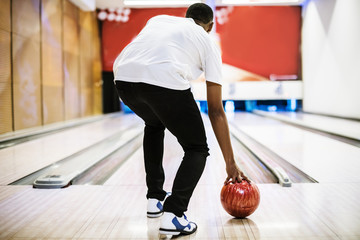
[221,129]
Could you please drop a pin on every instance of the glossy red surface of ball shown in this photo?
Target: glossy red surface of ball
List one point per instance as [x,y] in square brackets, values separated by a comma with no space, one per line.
[240,199]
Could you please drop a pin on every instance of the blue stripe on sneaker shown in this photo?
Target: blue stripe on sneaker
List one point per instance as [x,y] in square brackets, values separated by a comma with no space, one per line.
[159,206]
[178,225]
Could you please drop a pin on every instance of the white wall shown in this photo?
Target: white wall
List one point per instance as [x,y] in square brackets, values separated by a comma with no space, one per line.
[331,57]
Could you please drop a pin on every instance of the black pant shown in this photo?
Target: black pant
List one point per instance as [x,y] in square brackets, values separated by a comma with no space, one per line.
[177,111]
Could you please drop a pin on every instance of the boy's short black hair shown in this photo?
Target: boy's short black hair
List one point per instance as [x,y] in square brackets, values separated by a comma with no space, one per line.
[200,12]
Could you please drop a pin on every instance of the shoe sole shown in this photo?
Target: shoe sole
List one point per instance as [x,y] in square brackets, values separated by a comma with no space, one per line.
[155,215]
[168,232]
[164,231]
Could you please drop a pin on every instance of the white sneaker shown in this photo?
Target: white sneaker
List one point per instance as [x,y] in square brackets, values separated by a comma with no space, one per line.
[155,207]
[173,225]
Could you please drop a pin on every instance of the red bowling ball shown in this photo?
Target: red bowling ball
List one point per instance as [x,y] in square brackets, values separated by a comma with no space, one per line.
[240,199]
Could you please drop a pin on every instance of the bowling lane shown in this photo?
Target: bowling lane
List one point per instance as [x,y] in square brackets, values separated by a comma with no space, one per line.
[337,126]
[25,158]
[98,162]
[323,158]
[251,165]
[117,210]
[12,138]
[105,168]
[132,171]
[173,154]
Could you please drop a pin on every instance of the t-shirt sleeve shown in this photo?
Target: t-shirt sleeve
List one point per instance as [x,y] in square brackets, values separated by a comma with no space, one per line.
[213,64]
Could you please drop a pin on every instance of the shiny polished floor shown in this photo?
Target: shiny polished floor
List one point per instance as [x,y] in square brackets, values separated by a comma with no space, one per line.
[117,210]
[339,126]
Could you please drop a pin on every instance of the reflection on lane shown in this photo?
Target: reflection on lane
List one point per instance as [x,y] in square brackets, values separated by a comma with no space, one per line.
[317,156]
[251,165]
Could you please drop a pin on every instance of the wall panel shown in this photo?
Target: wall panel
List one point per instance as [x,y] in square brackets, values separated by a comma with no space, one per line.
[96,67]
[53,104]
[85,71]
[5,107]
[27,106]
[52,63]
[86,101]
[26,82]
[26,18]
[50,66]
[85,34]
[70,9]
[71,60]
[70,28]
[52,70]
[70,35]
[5,82]
[5,19]
[53,85]
[26,60]
[97,86]
[51,12]
[86,81]
[5,58]
[51,28]
[97,99]
[72,86]
[86,86]
[26,63]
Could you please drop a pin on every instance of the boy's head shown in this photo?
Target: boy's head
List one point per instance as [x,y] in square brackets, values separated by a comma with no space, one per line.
[202,15]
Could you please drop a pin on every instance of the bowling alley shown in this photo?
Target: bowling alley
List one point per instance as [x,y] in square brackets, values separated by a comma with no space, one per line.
[180,119]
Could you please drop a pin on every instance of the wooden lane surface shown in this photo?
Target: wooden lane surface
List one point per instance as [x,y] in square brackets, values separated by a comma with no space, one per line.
[305,211]
[322,158]
[117,210]
[335,125]
[25,158]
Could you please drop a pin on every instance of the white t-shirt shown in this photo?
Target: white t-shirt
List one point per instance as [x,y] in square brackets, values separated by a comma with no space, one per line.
[169,52]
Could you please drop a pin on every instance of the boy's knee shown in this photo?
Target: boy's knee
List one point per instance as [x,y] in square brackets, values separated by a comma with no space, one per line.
[154,127]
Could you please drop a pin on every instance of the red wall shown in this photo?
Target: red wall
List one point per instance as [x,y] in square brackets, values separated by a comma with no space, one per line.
[116,35]
[262,40]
